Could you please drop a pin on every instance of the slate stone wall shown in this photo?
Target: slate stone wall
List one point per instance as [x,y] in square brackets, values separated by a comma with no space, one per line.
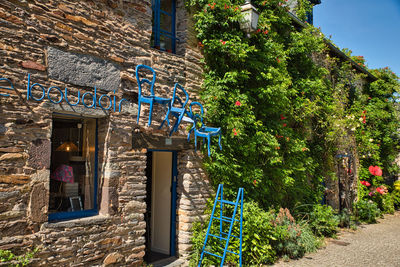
[79,45]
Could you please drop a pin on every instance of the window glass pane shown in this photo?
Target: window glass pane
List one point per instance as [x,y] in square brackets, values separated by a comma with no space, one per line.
[166,22]
[165,43]
[72,165]
[166,5]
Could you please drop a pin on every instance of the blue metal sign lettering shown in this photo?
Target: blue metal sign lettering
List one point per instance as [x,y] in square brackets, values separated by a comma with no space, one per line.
[92,97]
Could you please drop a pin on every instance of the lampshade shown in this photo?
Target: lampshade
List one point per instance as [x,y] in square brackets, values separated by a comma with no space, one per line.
[67,147]
[250,17]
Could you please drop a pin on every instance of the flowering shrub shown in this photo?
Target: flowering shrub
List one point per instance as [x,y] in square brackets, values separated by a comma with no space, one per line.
[282,115]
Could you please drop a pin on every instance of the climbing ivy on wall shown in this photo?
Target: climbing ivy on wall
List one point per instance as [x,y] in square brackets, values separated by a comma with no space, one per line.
[284,103]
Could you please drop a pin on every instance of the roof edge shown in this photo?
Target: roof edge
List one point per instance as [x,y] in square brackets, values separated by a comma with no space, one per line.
[336,50]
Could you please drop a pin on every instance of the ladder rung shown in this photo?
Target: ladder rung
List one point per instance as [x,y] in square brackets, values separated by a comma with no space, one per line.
[225,219]
[227,202]
[205,251]
[223,238]
[231,235]
[228,218]
[232,252]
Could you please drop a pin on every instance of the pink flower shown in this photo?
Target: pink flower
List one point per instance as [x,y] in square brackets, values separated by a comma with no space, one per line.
[370,193]
[367,183]
[237,103]
[375,170]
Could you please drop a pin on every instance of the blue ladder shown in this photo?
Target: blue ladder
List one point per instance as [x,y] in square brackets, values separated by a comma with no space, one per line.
[231,220]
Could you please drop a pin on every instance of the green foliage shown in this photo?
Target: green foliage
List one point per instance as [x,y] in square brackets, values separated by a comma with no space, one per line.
[293,239]
[396,199]
[385,203]
[266,235]
[323,221]
[346,219]
[367,211]
[285,106]
[258,233]
[17,261]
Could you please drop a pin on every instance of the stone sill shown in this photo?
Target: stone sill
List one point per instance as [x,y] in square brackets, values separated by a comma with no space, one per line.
[167,53]
[94,220]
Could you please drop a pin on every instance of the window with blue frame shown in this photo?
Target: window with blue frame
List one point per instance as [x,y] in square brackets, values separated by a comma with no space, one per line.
[164,31]
[73,168]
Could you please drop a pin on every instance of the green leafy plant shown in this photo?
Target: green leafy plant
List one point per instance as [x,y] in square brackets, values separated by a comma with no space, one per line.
[323,220]
[258,232]
[396,199]
[367,211]
[347,219]
[17,261]
[293,239]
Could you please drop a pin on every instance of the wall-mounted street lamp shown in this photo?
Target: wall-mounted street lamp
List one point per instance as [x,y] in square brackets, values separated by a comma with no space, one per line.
[250,14]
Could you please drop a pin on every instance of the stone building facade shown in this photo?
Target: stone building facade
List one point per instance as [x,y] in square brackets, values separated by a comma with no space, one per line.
[53,51]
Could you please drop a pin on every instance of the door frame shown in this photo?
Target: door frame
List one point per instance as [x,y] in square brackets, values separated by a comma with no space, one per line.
[174,177]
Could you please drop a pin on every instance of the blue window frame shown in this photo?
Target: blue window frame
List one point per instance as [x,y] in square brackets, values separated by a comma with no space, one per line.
[164,31]
[87,209]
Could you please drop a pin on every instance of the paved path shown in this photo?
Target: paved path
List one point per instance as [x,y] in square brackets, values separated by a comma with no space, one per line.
[371,245]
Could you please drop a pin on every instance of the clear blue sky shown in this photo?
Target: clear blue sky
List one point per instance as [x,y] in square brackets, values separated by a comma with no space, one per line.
[370,28]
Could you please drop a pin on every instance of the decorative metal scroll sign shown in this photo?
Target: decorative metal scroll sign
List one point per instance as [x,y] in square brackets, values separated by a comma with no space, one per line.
[103,101]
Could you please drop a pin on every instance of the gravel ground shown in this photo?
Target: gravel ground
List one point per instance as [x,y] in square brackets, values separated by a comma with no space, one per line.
[370,245]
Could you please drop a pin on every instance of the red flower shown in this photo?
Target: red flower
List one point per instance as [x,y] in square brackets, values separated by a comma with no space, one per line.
[234,131]
[375,170]
[284,125]
[266,32]
[282,117]
[278,60]
[237,103]
[366,183]
[223,42]
[255,182]
[226,6]
[364,111]
[258,30]
[380,190]
[277,148]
